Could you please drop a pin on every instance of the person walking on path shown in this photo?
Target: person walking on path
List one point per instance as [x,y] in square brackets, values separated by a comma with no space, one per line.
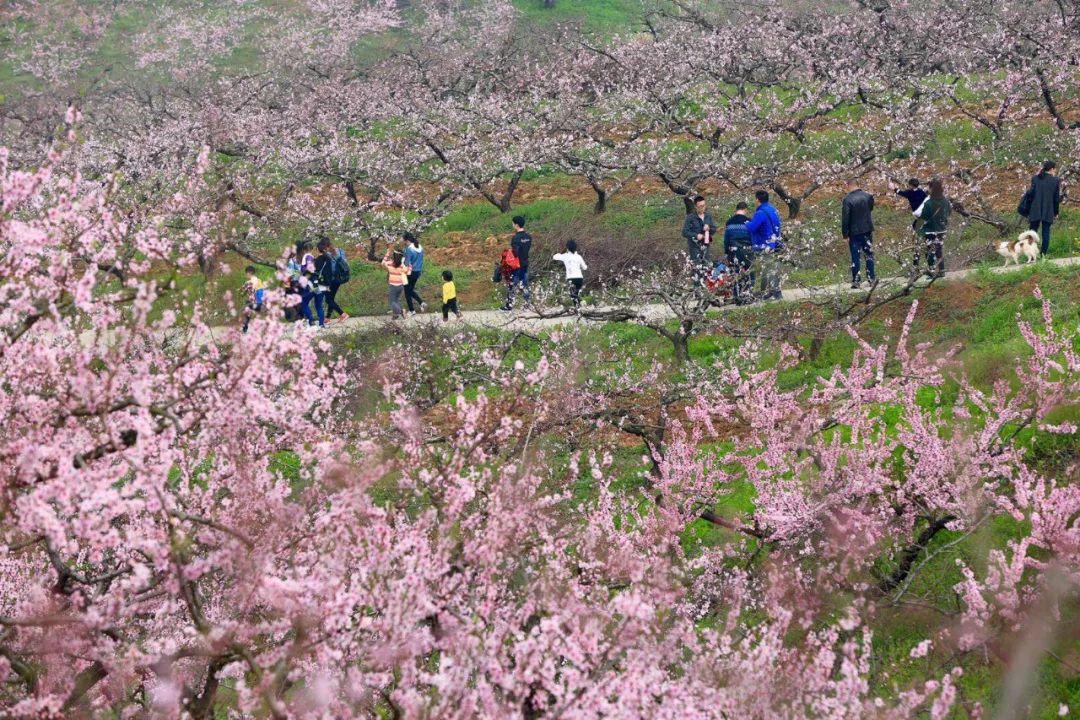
[1043,201]
[574,264]
[333,271]
[449,297]
[934,213]
[414,258]
[521,243]
[255,289]
[292,285]
[699,230]
[857,228]
[397,273]
[738,246]
[764,229]
[310,289]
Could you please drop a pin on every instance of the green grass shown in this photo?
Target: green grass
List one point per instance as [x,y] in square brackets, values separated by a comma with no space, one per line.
[599,16]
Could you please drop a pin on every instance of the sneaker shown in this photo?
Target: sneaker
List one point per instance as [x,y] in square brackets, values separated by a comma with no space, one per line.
[423,307]
[856,285]
[506,309]
[873,283]
[343,317]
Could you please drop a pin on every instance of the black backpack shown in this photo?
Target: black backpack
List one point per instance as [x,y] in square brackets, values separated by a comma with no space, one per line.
[340,272]
[1025,200]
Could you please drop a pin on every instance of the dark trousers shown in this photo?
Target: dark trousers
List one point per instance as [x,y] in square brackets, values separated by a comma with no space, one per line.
[410,291]
[770,273]
[520,277]
[741,259]
[1034,225]
[935,252]
[292,310]
[575,290]
[864,245]
[699,259]
[306,296]
[250,309]
[450,306]
[395,299]
[331,301]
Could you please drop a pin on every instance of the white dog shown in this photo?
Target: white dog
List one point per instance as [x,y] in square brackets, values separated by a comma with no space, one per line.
[1027,245]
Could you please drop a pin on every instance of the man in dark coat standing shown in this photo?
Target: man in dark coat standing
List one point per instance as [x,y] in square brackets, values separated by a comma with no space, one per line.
[699,231]
[857,228]
[1045,201]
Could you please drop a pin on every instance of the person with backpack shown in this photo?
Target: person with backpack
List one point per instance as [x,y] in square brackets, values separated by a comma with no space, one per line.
[310,288]
[397,274]
[1041,203]
[934,212]
[520,244]
[857,228]
[333,272]
[739,248]
[765,234]
[414,258]
[574,264]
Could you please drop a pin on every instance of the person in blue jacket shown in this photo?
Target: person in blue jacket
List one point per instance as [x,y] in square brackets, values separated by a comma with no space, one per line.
[414,258]
[765,236]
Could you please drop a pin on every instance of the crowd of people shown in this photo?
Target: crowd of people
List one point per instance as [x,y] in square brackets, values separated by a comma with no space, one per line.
[750,268]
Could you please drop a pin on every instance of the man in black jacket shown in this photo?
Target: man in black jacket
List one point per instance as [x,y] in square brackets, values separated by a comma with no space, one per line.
[699,231]
[857,228]
[521,243]
[915,196]
[1045,201]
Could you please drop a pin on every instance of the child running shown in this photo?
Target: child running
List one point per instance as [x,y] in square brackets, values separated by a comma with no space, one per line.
[256,295]
[449,297]
[574,264]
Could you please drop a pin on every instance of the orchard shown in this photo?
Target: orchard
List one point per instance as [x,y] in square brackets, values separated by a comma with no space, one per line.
[844,505]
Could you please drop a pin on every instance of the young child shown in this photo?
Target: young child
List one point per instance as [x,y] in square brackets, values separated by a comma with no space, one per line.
[256,295]
[574,264]
[449,296]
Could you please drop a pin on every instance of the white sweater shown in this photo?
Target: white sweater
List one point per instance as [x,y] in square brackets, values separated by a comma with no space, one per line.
[574,264]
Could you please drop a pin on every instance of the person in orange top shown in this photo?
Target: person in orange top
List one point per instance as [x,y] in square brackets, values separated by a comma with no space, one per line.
[398,276]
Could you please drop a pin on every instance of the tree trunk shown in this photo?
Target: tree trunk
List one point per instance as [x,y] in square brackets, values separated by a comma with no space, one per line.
[680,339]
[601,200]
[793,203]
[911,553]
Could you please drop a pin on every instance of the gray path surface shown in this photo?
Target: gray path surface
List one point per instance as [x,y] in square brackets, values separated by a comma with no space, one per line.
[526,320]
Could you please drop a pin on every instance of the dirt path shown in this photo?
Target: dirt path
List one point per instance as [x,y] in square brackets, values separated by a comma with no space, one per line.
[529,321]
